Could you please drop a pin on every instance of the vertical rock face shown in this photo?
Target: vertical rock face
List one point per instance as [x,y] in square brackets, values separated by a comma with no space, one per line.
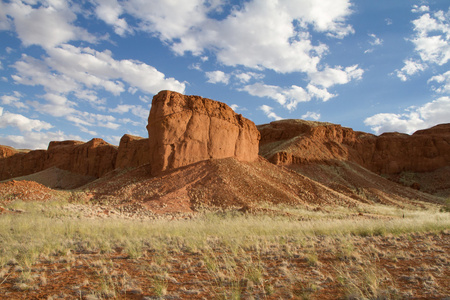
[94,158]
[133,152]
[187,129]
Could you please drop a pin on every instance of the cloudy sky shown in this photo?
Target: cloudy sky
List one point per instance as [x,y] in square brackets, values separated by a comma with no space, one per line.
[85,69]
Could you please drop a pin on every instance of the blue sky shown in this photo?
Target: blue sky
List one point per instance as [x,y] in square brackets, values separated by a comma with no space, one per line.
[85,69]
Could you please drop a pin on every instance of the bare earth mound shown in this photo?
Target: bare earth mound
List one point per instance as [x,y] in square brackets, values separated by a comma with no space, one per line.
[56,178]
[25,191]
[224,183]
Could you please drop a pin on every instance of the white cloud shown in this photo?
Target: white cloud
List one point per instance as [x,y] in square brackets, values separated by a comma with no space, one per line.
[268,111]
[31,71]
[443,79]
[410,68]
[93,120]
[321,94]
[218,77]
[288,97]
[48,25]
[431,41]
[109,11]
[375,41]
[136,110]
[21,122]
[420,9]
[13,99]
[414,118]
[35,140]
[245,77]
[338,75]
[311,115]
[234,107]
[72,69]
[55,105]
[121,108]
[257,34]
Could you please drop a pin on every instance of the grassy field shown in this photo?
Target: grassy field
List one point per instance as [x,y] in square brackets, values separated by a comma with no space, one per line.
[367,252]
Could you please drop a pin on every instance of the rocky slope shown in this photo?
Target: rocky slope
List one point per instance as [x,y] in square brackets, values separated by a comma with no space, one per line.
[315,148]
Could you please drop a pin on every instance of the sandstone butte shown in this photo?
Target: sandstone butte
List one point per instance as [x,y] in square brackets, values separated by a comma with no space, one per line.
[187,129]
[183,130]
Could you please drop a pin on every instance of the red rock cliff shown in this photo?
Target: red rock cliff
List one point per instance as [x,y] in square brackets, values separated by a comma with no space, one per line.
[94,158]
[133,152]
[187,129]
[295,141]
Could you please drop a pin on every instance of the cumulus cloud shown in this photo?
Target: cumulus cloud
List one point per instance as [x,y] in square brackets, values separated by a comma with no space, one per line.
[69,69]
[420,9]
[414,118]
[410,68]
[99,69]
[268,111]
[21,122]
[311,115]
[218,77]
[136,110]
[431,41]
[244,77]
[93,120]
[257,34]
[321,94]
[444,80]
[13,100]
[48,25]
[288,97]
[338,75]
[110,11]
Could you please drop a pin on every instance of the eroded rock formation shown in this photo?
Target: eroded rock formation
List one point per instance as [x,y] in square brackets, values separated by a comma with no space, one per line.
[295,141]
[133,152]
[187,129]
[94,158]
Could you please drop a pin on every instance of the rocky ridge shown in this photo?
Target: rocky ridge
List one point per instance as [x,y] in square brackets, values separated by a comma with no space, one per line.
[199,152]
[290,142]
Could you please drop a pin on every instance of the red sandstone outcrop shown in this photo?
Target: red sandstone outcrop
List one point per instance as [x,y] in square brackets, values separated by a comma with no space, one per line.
[187,129]
[94,158]
[21,163]
[289,142]
[133,152]
[6,151]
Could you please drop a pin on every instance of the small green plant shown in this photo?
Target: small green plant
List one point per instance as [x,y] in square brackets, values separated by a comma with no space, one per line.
[160,285]
[312,259]
[134,249]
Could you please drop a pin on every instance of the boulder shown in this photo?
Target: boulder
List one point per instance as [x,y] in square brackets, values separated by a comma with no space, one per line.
[187,129]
